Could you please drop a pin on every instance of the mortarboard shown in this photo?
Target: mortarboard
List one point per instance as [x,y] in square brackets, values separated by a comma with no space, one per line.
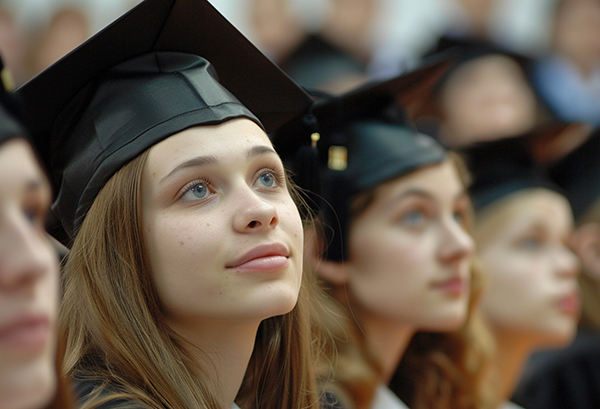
[503,167]
[578,174]
[365,139]
[165,66]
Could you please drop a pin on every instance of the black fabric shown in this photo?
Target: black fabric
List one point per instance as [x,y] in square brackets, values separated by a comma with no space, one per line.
[565,379]
[503,167]
[84,388]
[578,174]
[140,80]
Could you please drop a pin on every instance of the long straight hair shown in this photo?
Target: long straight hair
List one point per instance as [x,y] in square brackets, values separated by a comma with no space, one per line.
[116,333]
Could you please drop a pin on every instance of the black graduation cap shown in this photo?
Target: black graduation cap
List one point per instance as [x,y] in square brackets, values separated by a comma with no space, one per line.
[317,62]
[578,174]
[365,139]
[503,167]
[165,66]
[469,49]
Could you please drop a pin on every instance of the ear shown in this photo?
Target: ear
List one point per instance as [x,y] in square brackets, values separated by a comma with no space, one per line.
[330,271]
[585,242]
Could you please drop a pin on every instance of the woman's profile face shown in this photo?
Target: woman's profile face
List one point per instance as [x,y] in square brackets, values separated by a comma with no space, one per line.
[486,99]
[532,273]
[223,235]
[410,256]
[28,282]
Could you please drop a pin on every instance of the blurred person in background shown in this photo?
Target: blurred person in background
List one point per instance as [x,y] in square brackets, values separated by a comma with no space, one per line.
[568,78]
[395,255]
[522,229]
[29,282]
[571,378]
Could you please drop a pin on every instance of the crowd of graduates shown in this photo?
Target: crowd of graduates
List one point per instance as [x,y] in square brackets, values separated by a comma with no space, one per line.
[346,204]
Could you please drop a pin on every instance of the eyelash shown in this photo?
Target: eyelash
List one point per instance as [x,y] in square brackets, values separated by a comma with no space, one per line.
[278,174]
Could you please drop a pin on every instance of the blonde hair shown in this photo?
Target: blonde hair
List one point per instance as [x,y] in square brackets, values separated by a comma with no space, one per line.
[444,370]
[117,336]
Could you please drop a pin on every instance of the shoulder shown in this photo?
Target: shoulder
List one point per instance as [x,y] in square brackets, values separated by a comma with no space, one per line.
[90,390]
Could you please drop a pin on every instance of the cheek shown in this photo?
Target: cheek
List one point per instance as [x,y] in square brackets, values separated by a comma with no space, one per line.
[182,251]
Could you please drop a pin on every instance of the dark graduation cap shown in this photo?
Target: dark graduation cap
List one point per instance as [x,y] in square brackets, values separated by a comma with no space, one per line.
[501,168]
[165,66]
[470,49]
[578,174]
[317,62]
[366,139]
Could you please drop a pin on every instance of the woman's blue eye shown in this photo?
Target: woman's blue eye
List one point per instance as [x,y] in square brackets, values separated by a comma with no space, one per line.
[30,215]
[531,243]
[413,218]
[267,179]
[198,191]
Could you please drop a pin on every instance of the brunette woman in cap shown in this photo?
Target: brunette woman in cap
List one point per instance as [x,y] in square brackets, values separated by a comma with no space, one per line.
[570,378]
[28,276]
[184,285]
[522,227]
[394,253]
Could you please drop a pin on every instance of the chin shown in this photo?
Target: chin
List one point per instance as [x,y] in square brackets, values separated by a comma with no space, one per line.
[32,387]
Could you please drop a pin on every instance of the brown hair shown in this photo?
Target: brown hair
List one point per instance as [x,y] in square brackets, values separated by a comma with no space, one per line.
[438,370]
[117,335]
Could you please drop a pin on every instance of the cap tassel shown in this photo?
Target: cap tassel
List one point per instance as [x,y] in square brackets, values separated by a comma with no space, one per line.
[307,159]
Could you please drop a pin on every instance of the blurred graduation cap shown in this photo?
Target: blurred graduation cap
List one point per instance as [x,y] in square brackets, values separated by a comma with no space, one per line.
[359,140]
[317,63]
[164,66]
[578,174]
[501,168]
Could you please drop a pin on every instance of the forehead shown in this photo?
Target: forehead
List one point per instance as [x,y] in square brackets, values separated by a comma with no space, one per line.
[537,208]
[227,140]
[18,166]
[495,64]
[440,181]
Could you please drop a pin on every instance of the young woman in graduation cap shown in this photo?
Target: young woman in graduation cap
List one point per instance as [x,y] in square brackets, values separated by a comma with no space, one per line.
[394,254]
[183,287]
[522,229]
[28,275]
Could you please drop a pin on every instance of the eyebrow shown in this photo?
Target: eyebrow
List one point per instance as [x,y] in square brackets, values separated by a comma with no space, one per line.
[464,193]
[213,160]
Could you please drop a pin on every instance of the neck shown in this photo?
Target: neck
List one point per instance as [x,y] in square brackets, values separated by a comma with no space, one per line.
[223,350]
[513,351]
[387,339]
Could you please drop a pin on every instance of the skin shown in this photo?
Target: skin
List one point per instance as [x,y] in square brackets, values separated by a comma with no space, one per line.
[532,300]
[577,34]
[199,219]
[28,282]
[406,244]
[486,99]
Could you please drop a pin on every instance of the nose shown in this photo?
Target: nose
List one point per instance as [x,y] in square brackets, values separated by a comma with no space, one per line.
[254,213]
[25,257]
[456,243]
[567,263]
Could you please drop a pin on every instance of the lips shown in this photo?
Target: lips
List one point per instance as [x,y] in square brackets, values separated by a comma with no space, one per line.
[569,304]
[454,286]
[267,257]
[29,332]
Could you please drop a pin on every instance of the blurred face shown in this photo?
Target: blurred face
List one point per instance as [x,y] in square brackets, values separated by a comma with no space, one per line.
[577,32]
[28,282]
[533,275]
[410,257]
[224,237]
[486,99]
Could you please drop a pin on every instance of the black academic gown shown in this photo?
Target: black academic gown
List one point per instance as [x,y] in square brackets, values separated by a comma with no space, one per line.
[569,378]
